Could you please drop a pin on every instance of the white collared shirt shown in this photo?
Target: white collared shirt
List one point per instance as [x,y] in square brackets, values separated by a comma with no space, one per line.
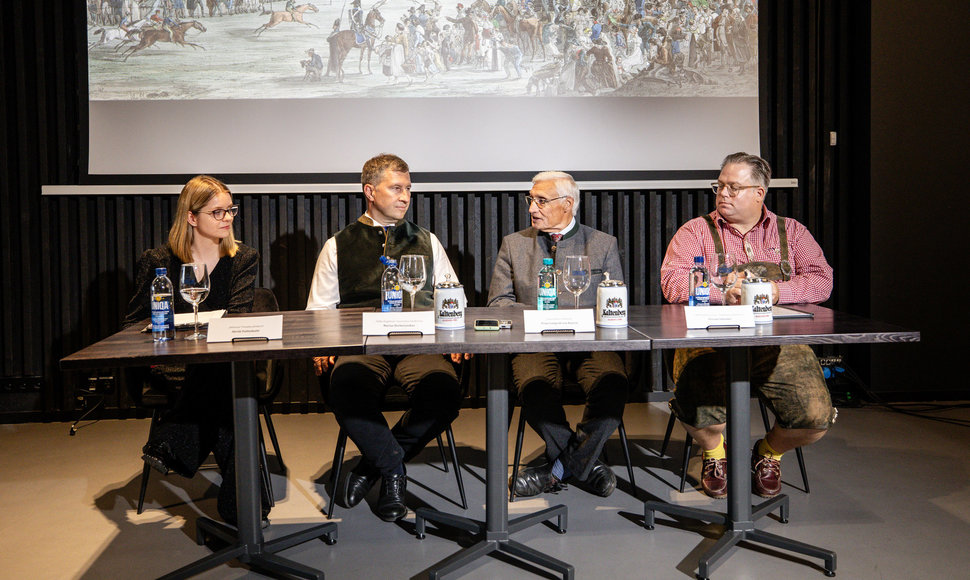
[325,285]
[568,228]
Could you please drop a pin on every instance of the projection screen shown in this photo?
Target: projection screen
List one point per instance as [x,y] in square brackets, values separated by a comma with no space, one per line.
[290,88]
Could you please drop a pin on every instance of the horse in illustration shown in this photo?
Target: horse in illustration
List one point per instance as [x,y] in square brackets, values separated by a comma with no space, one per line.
[153,35]
[285,16]
[344,41]
[525,31]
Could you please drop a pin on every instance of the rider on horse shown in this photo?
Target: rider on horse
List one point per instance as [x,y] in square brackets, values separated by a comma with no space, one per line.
[356,14]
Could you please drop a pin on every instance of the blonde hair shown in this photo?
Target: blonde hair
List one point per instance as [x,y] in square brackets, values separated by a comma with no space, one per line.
[196,193]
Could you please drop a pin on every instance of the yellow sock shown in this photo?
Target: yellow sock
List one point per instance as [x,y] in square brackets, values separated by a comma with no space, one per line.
[716,453]
[765,450]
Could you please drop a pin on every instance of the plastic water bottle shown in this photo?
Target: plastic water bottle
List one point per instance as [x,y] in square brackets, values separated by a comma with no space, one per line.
[700,284]
[162,307]
[392,296]
[548,295]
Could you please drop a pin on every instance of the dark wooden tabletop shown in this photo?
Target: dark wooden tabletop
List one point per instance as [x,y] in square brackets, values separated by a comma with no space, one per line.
[506,340]
[667,328]
[336,332]
[306,333]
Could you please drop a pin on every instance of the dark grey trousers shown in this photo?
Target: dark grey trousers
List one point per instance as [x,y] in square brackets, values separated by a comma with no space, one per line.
[538,380]
[356,393]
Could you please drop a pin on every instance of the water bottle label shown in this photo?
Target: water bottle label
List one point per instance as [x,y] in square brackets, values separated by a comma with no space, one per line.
[392,301]
[701,297]
[161,318]
[547,299]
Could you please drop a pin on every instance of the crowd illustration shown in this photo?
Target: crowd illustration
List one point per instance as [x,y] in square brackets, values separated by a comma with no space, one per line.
[544,47]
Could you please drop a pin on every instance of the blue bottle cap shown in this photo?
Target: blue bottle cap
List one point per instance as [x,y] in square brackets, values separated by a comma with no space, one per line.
[161,271]
[547,261]
[698,259]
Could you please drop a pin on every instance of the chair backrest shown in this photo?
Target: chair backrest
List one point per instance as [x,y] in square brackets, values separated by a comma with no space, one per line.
[269,373]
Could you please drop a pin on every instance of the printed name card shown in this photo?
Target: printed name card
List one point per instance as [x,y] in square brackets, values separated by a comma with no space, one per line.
[245,328]
[549,321]
[719,317]
[391,323]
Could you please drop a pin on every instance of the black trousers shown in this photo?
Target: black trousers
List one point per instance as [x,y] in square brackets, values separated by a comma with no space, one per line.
[200,422]
[356,393]
[538,379]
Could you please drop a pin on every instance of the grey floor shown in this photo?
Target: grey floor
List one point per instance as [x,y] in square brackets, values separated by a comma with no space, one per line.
[889,494]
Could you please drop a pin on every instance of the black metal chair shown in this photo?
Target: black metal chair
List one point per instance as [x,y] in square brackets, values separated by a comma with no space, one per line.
[397,400]
[688,448]
[269,375]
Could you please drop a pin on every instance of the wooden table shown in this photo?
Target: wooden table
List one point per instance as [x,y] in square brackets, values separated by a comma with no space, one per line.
[305,334]
[666,327]
[494,534]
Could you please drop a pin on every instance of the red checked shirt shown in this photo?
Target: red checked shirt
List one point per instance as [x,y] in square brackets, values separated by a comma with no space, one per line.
[811,279]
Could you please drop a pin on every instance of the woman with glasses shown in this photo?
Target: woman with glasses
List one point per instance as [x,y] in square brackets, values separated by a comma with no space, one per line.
[200,421]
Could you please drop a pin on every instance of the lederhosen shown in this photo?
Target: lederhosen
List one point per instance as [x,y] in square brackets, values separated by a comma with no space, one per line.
[780,369]
[764,270]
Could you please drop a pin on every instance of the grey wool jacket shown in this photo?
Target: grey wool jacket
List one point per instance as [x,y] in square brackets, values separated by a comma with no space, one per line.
[516,271]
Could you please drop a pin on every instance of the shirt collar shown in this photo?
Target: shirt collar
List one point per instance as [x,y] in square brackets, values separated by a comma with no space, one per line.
[567,231]
[766,216]
[368,220]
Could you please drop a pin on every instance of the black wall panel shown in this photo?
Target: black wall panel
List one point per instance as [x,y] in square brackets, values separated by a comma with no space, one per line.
[68,261]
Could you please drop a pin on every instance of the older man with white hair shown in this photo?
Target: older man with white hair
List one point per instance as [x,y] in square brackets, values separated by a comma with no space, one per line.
[538,377]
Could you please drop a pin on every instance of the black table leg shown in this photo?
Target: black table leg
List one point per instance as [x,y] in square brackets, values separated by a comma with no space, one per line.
[246,543]
[741,515]
[494,533]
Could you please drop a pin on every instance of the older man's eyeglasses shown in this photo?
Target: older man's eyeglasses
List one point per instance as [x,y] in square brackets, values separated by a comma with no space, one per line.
[540,201]
[220,214]
[731,190]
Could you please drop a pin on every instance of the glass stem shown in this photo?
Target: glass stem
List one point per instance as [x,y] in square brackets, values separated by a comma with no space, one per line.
[195,310]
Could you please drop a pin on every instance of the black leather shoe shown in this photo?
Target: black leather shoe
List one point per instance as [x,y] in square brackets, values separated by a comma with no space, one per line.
[156,463]
[601,480]
[159,457]
[358,486]
[535,480]
[390,506]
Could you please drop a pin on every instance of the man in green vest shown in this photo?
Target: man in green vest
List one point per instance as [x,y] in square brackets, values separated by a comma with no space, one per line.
[348,274]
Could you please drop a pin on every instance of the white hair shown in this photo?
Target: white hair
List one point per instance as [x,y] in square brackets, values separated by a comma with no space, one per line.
[565,185]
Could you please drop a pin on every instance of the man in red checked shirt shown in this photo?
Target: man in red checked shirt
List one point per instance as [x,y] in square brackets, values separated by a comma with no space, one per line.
[788,378]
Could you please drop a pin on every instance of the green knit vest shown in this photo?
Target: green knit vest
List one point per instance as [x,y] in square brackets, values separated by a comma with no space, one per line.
[359,249]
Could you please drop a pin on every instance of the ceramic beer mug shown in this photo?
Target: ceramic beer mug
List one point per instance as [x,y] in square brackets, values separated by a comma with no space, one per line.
[449,305]
[611,302]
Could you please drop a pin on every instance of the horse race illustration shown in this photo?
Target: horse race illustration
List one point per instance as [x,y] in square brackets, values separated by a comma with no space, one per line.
[217,49]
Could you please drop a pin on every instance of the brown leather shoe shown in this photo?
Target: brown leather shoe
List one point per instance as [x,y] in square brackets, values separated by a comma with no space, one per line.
[765,474]
[714,478]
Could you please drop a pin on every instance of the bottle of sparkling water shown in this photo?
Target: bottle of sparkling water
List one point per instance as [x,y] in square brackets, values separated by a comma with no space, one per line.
[548,295]
[700,284]
[392,296]
[162,307]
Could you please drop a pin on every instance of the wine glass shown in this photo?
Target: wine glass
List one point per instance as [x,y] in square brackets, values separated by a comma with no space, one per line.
[722,272]
[576,275]
[413,274]
[194,287]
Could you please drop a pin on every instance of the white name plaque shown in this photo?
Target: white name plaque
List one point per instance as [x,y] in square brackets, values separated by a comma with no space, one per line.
[245,328]
[390,323]
[549,321]
[719,317]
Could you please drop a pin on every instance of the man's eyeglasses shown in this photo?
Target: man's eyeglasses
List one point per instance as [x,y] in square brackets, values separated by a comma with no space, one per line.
[540,201]
[730,190]
[220,214]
